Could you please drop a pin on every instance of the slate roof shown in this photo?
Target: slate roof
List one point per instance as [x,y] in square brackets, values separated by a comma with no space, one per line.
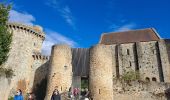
[142,35]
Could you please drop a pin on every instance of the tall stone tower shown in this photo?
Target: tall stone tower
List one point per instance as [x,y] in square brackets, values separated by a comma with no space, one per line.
[60,71]
[25,41]
[101,72]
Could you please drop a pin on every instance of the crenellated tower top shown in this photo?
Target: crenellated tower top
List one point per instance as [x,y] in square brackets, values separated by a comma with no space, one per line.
[36,30]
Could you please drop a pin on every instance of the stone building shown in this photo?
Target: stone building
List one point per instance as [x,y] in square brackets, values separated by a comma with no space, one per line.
[101,66]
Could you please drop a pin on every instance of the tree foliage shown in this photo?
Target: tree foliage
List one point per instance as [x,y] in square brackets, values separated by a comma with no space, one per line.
[5,35]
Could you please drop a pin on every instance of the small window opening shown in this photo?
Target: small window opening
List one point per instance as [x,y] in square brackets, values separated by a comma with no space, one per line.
[130,63]
[154,79]
[128,53]
[147,79]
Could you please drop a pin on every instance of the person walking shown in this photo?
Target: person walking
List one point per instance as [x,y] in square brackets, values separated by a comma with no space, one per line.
[18,96]
[56,95]
[31,96]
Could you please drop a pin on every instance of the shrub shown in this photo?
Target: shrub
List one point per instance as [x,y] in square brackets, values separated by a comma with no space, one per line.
[11,98]
[131,76]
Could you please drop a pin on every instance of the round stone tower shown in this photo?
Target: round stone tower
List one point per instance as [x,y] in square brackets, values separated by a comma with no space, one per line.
[60,71]
[25,41]
[101,72]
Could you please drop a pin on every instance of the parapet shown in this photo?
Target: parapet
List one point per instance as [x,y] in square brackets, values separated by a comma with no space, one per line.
[39,56]
[36,30]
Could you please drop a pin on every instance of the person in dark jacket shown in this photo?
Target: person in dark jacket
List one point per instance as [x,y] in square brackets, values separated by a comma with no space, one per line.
[19,95]
[31,96]
[56,95]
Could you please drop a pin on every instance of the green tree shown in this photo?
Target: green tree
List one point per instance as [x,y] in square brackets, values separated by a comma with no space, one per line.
[5,35]
[5,39]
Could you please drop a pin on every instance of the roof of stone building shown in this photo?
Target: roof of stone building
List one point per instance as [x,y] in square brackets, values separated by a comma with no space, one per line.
[142,35]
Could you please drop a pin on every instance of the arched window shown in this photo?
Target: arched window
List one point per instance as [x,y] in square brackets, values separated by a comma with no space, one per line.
[154,79]
[147,79]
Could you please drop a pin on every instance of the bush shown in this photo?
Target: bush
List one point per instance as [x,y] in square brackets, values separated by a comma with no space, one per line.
[131,76]
[11,98]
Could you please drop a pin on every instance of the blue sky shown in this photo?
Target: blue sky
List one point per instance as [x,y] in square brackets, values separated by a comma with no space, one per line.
[80,23]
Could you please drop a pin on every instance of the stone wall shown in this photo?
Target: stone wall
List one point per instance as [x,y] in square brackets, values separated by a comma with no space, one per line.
[39,70]
[149,61]
[60,72]
[139,90]
[127,58]
[101,72]
[163,50]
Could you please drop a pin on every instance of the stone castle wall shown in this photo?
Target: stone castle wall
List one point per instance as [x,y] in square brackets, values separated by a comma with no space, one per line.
[149,58]
[150,62]
[138,90]
[163,51]
[127,58]
[39,70]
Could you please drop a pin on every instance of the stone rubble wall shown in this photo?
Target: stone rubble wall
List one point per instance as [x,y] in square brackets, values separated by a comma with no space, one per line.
[149,62]
[139,90]
[127,58]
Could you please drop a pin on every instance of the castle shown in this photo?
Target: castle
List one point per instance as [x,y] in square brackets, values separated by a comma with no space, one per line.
[103,65]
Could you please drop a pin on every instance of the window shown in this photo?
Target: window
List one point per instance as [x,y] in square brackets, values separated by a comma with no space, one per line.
[147,79]
[128,52]
[99,91]
[154,51]
[34,44]
[154,79]
[130,63]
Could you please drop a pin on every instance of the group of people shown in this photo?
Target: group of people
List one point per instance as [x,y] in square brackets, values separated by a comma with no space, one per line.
[19,96]
[73,94]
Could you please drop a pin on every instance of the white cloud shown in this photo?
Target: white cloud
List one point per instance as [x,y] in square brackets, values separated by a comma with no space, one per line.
[67,15]
[64,11]
[21,17]
[52,38]
[124,27]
